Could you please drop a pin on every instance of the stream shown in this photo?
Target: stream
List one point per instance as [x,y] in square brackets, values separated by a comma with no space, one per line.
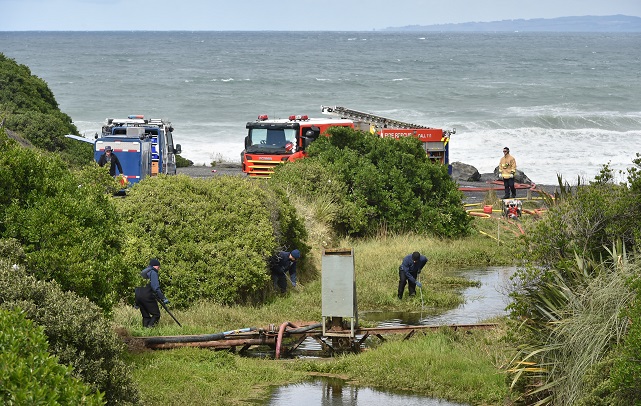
[480,303]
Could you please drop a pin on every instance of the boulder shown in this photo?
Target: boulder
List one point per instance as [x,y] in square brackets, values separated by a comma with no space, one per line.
[464,172]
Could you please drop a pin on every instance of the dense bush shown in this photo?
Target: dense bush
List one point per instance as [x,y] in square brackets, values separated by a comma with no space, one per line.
[65,222]
[585,222]
[183,162]
[213,237]
[378,183]
[575,306]
[29,108]
[77,333]
[46,131]
[626,371]
[29,375]
[21,91]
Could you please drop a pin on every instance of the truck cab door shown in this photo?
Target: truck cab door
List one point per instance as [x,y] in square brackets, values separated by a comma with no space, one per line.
[309,135]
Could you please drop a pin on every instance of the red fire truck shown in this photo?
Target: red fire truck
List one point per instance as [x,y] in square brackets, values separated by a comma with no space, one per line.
[270,143]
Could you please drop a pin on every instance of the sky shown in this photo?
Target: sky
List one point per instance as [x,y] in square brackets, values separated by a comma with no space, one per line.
[284,15]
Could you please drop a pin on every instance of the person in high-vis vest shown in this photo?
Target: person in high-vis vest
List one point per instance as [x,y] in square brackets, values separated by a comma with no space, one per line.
[507,170]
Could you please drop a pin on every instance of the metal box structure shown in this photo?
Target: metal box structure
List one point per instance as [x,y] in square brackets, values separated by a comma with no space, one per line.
[338,290]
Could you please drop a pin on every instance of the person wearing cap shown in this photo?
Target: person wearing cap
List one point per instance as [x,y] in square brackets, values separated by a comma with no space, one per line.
[108,157]
[147,297]
[408,273]
[283,263]
[507,170]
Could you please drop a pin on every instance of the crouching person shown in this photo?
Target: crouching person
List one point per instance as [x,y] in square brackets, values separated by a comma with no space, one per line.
[147,296]
[282,264]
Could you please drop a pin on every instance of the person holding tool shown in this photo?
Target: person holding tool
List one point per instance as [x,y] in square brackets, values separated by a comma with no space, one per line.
[281,264]
[408,273]
[147,296]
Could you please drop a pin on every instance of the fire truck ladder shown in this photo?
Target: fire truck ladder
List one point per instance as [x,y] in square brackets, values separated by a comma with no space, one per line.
[378,121]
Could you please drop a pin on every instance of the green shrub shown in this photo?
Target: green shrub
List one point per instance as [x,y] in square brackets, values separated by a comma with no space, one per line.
[65,222]
[30,109]
[20,91]
[584,222]
[29,375]
[213,237]
[378,183]
[183,162]
[46,131]
[626,372]
[77,332]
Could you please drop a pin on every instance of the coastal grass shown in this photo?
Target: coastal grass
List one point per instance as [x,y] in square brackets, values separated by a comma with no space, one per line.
[193,376]
[443,364]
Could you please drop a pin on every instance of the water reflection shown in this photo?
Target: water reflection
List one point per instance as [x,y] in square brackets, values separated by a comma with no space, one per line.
[334,392]
[480,303]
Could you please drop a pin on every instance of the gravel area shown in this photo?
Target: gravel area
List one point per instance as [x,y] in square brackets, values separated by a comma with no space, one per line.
[220,169]
[472,194]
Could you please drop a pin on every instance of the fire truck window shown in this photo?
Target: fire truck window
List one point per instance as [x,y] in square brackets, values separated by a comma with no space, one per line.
[258,136]
[276,137]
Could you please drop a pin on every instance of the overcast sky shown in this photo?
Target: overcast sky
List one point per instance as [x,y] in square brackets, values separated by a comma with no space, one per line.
[284,15]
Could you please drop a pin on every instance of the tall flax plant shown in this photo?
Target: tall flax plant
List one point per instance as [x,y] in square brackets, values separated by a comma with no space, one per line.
[573,320]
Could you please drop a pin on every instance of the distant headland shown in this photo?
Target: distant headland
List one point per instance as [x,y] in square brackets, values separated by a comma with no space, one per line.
[613,23]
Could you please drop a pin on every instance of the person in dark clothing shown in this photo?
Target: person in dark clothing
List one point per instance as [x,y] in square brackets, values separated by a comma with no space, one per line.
[283,263]
[408,273]
[108,157]
[147,296]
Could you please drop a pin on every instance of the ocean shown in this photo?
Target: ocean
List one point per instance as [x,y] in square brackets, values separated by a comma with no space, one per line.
[565,103]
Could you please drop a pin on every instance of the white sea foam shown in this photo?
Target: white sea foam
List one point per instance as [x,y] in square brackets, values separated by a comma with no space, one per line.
[544,153]
[559,109]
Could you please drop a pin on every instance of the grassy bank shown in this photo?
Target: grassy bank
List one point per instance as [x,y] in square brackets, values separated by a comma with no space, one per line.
[446,364]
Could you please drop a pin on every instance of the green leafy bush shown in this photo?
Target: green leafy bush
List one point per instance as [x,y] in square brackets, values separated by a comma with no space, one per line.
[29,375]
[213,237]
[584,222]
[65,222]
[626,371]
[20,91]
[378,183]
[573,312]
[183,162]
[29,108]
[46,131]
[77,332]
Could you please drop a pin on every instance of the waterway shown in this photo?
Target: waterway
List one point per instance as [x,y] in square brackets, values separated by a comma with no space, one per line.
[487,300]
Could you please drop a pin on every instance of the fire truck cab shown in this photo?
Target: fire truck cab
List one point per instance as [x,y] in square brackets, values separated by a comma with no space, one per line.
[271,142]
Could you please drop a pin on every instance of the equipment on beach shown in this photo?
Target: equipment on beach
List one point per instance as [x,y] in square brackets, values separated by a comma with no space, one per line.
[512,209]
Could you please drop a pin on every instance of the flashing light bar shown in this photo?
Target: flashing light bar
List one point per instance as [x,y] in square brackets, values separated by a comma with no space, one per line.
[263,117]
[133,116]
[298,117]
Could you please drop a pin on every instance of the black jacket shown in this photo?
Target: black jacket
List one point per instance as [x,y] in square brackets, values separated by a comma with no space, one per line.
[115,162]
